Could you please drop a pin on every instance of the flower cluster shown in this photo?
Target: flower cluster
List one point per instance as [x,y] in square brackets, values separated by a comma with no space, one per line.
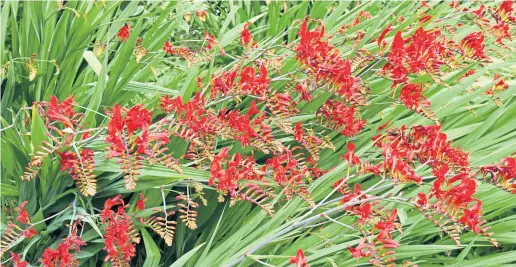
[341,117]
[502,174]
[124,32]
[82,169]
[324,61]
[246,38]
[237,168]
[473,46]
[62,112]
[411,95]
[453,195]
[62,254]
[120,236]
[249,82]
[380,224]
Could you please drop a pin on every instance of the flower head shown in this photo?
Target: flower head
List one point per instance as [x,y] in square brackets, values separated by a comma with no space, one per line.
[300,259]
[23,215]
[246,38]
[62,112]
[168,47]
[124,32]
[473,45]
[17,261]
[140,205]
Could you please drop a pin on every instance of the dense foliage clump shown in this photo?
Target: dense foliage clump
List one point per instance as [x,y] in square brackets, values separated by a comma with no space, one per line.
[266,134]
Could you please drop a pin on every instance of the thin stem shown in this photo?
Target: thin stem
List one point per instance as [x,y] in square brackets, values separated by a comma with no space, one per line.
[164,203]
[53,216]
[72,219]
[260,262]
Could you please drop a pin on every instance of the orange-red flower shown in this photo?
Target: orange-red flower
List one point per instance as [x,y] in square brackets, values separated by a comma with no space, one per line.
[350,155]
[358,251]
[342,116]
[168,47]
[473,45]
[118,242]
[62,112]
[298,132]
[62,255]
[246,38]
[23,215]
[299,260]
[201,14]
[140,205]
[17,261]
[124,32]
[411,95]
[30,232]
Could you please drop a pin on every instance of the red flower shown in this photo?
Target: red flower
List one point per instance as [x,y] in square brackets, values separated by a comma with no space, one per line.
[210,38]
[381,43]
[504,11]
[350,156]
[397,53]
[137,117]
[426,52]
[473,45]
[142,141]
[168,47]
[223,83]
[61,255]
[440,170]
[502,31]
[246,37]
[254,83]
[29,233]
[503,173]
[124,32]
[411,95]
[305,95]
[199,82]
[17,261]
[23,215]
[324,61]
[471,217]
[300,259]
[358,251]
[62,112]
[421,199]
[364,211]
[348,196]
[479,12]
[388,224]
[115,131]
[385,238]
[118,242]
[140,205]
[395,68]
[216,165]
[337,113]
[253,110]
[168,105]
[298,132]
[67,159]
